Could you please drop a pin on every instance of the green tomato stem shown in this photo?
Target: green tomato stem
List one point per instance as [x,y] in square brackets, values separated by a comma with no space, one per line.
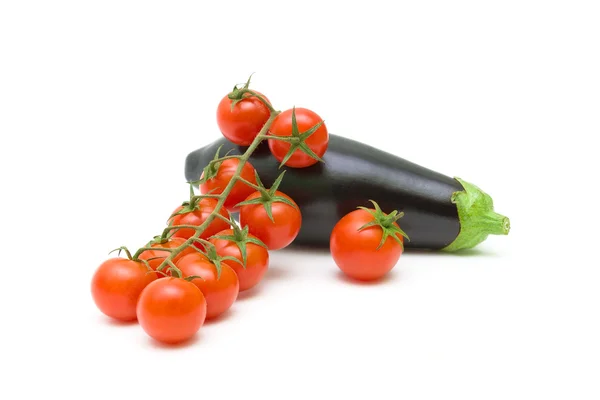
[137,254]
[221,159]
[207,196]
[247,182]
[178,227]
[221,217]
[264,101]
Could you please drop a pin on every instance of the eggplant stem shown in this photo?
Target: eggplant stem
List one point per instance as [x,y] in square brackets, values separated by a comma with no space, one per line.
[477,217]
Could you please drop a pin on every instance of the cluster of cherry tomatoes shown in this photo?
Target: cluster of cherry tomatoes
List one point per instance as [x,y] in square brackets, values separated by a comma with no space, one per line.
[305,129]
[188,275]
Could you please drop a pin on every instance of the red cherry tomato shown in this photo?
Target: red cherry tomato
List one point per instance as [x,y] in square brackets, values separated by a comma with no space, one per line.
[226,171]
[197,217]
[317,142]
[278,234]
[220,293]
[257,259]
[355,252]
[171,310]
[244,122]
[116,286]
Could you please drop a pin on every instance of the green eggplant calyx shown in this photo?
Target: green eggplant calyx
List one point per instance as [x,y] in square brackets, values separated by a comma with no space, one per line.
[477,217]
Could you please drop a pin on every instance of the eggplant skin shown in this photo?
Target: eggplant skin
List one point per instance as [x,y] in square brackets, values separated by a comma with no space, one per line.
[352,174]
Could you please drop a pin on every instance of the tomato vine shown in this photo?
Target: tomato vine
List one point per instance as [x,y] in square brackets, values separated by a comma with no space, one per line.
[236,95]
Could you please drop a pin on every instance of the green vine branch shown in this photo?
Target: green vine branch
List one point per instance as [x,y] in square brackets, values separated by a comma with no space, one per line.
[238,94]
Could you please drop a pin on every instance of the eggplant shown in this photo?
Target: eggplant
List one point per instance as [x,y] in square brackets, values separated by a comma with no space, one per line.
[440,213]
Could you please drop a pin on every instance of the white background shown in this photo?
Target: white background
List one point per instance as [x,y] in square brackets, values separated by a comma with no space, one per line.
[100,102]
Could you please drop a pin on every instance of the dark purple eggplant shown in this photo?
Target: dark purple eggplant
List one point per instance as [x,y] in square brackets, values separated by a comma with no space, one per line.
[440,213]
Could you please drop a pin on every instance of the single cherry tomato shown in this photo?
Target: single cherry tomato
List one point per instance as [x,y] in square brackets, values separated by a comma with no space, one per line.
[241,124]
[278,233]
[219,182]
[197,217]
[156,257]
[117,284]
[171,310]
[360,253]
[317,142]
[257,259]
[220,292]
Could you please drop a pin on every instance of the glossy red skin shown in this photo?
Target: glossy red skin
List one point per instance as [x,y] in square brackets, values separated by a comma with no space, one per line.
[241,125]
[356,254]
[197,217]
[171,310]
[116,287]
[220,293]
[275,235]
[306,119]
[240,190]
[161,254]
[257,260]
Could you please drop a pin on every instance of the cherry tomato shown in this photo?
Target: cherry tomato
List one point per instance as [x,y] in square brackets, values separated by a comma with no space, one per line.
[197,217]
[355,252]
[317,142]
[257,259]
[242,124]
[159,255]
[171,310]
[226,171]
[116,286]
[220,293]
[278,234]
